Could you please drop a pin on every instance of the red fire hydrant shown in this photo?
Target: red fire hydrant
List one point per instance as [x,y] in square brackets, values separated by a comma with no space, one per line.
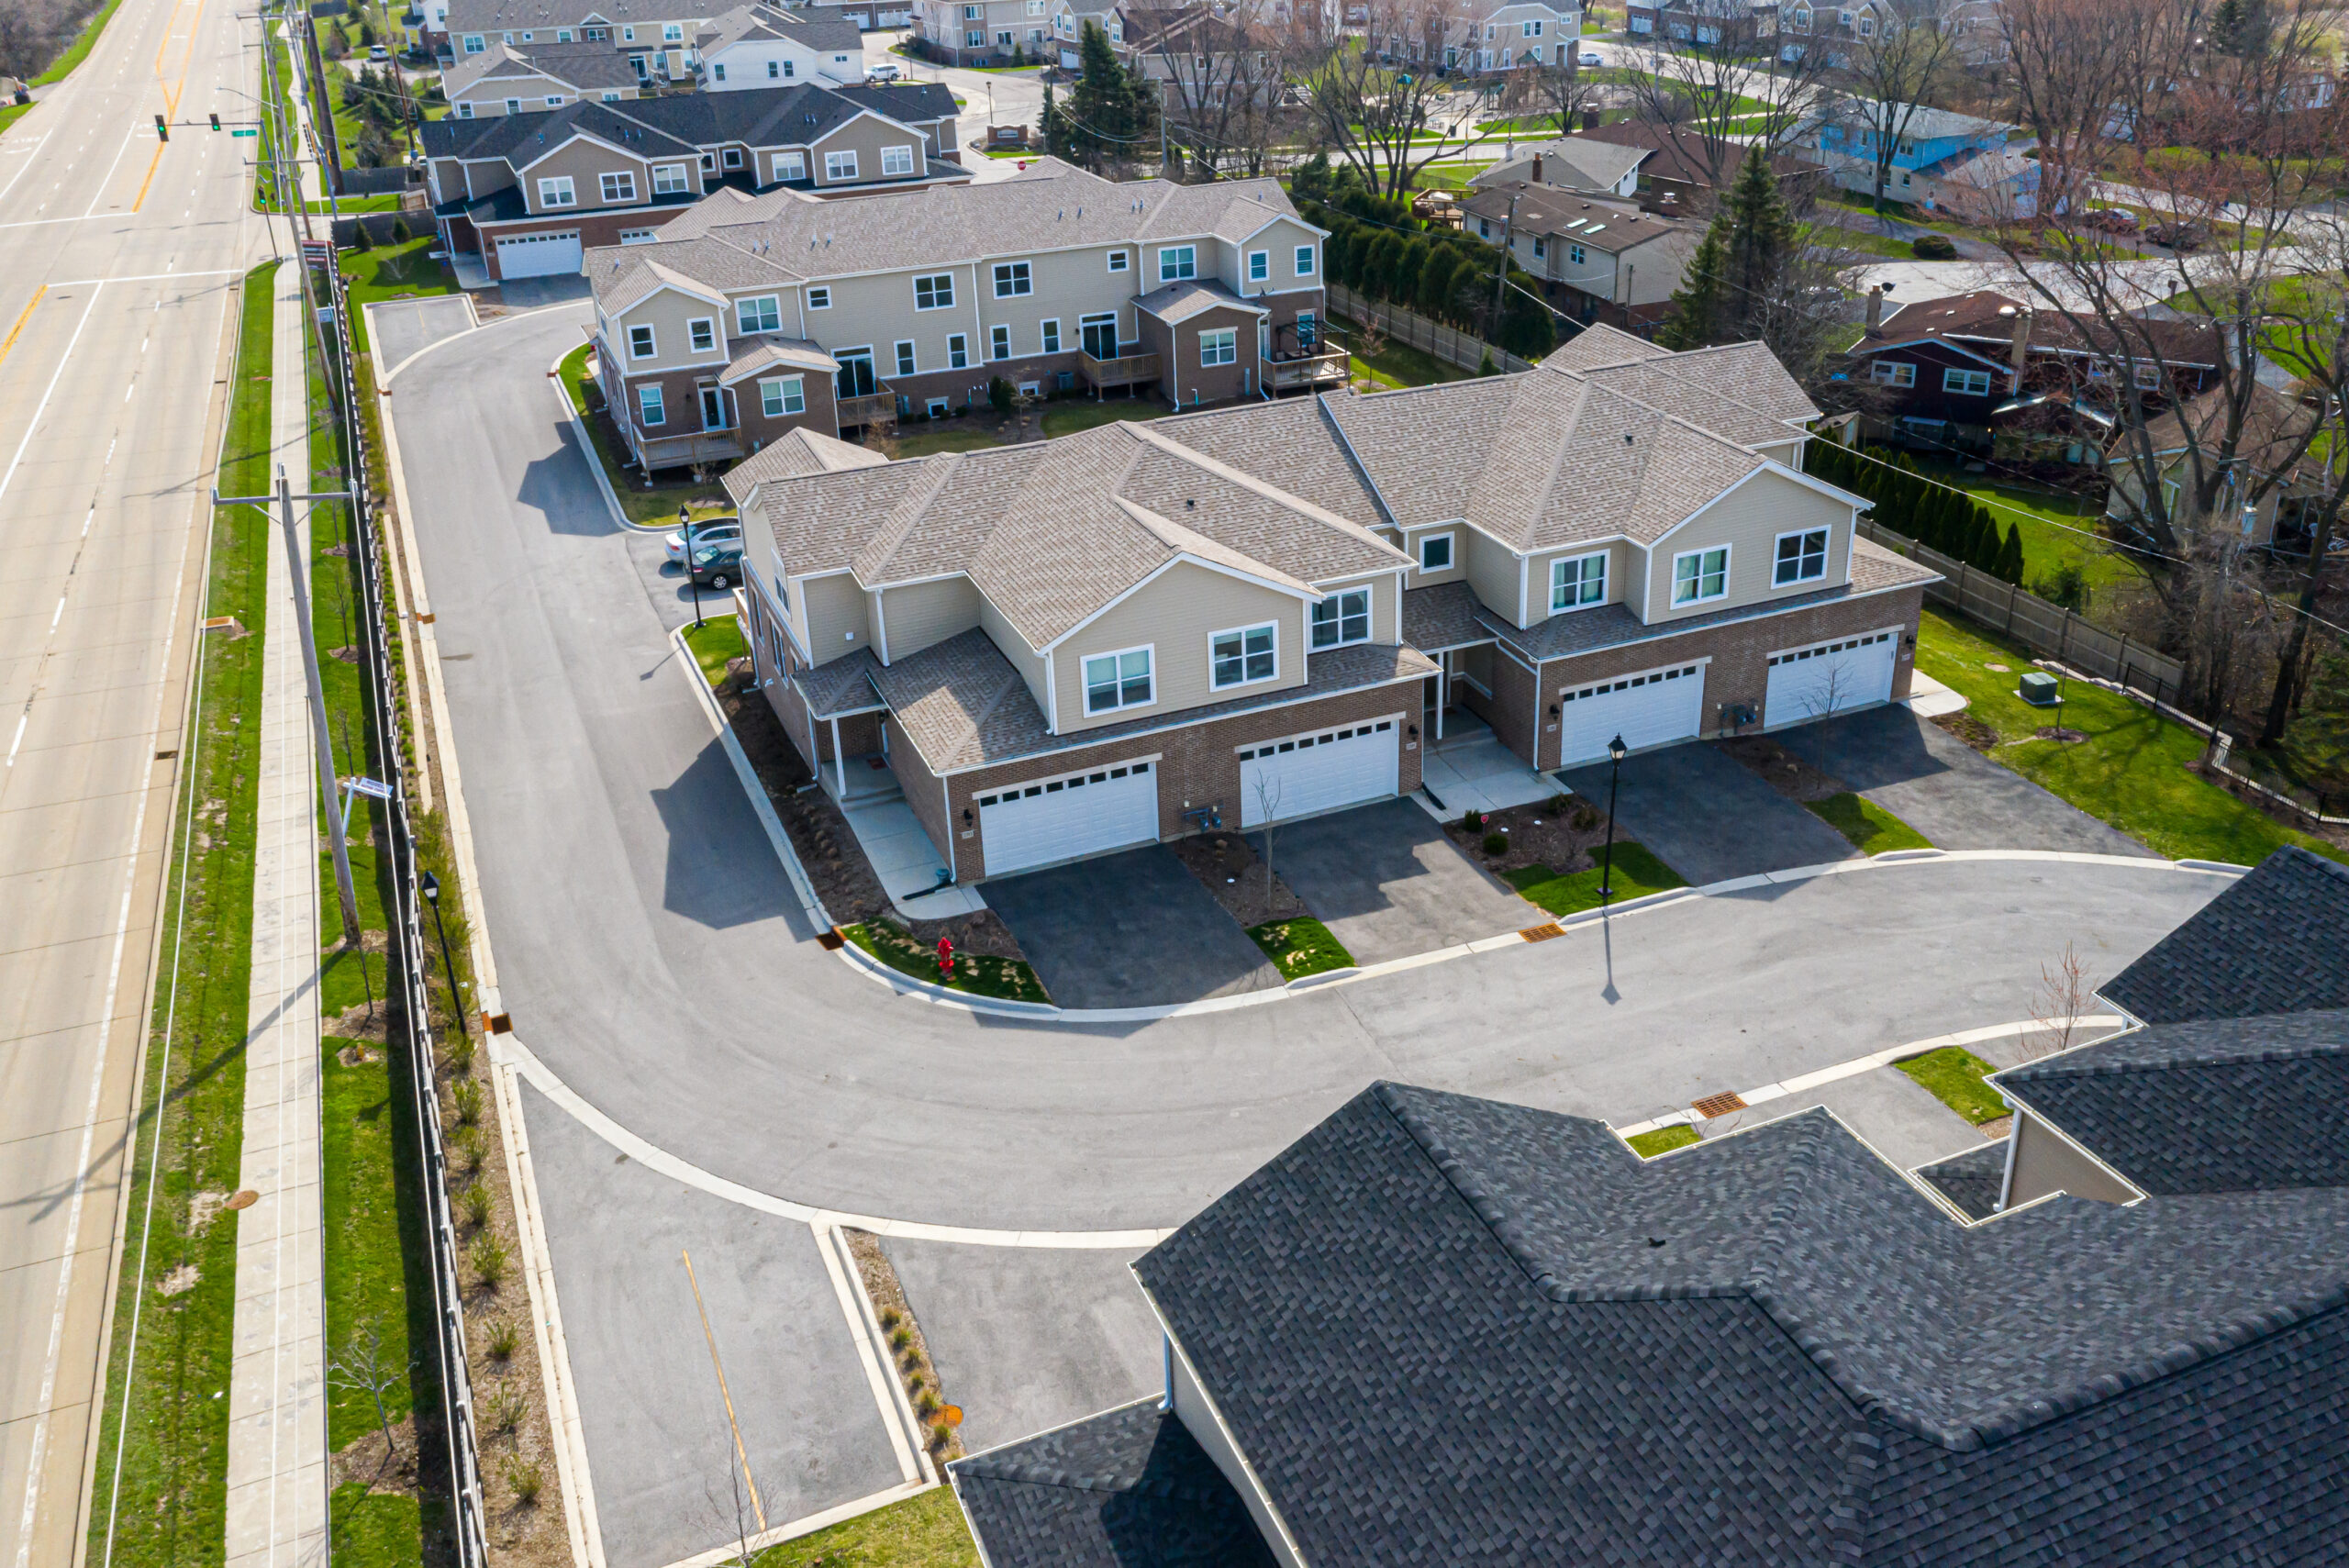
[946,958]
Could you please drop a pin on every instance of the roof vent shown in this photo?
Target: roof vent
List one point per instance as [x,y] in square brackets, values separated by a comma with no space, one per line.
[1190,505]
[1060,215]
[1627,437]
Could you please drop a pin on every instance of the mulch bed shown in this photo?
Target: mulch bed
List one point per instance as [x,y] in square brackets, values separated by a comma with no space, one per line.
[1541,834]
[1226,866]
[1973,731]
[914,1367]
[1789,772]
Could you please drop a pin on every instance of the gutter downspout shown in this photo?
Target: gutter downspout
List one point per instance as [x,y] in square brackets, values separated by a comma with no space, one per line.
[1166,1372]
[946,803]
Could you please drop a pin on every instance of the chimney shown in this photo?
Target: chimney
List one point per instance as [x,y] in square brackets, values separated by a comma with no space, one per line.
[1876,308]
[1591,119]
[1537,168]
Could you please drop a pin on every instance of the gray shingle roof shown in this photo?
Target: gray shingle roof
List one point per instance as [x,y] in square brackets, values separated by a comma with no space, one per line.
[1442,617]
[1581,217]
[492,15]
[2277,942]
[582,65]
[680,122]
[1572,161]
[796,451]
[817,26]
[1972,1180]
[1177,303]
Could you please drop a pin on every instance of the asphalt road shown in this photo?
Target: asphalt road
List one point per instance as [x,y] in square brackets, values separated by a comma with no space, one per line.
[117,264]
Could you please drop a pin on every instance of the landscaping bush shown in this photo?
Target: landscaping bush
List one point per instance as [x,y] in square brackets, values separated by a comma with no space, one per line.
[1585,818]
[1496,843]
[490,1260]
[503,1340]
[1933,248]
[1472,821]
[1001,393]
[474,1202]
[2066,587]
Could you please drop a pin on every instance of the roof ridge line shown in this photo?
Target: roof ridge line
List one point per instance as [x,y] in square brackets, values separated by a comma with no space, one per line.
[1455,1175]
[907,511]
[1247,481]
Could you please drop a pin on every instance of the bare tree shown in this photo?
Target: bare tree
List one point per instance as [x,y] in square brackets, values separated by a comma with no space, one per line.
[1371,96]
[362,1367]
[1222,76]
[1894,68]
[1829,693]
[1267,788]
[1706,74]
[2058,1005]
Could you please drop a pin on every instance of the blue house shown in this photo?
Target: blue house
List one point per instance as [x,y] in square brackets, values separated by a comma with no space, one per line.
[1943,160]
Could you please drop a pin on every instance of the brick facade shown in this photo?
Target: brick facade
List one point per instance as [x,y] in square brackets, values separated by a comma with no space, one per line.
[595,229]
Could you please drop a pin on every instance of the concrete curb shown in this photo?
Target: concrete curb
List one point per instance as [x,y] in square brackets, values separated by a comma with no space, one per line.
[594,458]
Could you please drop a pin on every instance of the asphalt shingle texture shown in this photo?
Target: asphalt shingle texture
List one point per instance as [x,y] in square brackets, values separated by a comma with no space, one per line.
[2277,942]
[1972,1180]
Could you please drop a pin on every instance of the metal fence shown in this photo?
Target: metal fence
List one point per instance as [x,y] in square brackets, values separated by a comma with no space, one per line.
[1456,348]
[2049,631]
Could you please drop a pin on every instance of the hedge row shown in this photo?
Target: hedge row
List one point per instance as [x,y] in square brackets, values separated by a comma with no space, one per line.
[1934,515]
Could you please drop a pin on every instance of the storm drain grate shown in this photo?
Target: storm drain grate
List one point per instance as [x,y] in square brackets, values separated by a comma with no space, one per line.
[1542,933]
[1717,1104]
[831,941]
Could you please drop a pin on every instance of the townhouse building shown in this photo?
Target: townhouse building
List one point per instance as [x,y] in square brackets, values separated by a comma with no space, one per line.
[508,79]
[762,46]
[1599,257]
[990,32]
[1485,35]
[1068,18]
[1246,614]
[1055,280]
[529,192]
[1743,26]
[655,36]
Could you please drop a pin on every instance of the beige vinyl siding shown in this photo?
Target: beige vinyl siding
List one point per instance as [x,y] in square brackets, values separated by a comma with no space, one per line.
[1491,570]
[1069,285]
[668,313]
[1386,609]
[1175,614]
[2044,1163]
[879,310]
[1281,238]
[1014,646]
[865,137]
[484,177]
[1410,546]
[836,617]
[920,613]
[1749,519]
[1622,567]
[586,162]
[1653,271]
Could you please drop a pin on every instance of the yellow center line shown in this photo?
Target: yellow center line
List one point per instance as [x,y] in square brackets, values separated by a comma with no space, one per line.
[149,179]
[10,342]
[171,93]
[756,1507]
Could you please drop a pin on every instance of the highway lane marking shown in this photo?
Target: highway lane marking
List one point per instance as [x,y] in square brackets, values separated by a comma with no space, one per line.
[147,277]
[107,178]
[39,222]
[10,342]
[30,154]
[152,164]
[42,406]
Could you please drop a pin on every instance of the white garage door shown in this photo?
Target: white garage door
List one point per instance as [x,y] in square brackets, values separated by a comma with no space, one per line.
[1831,678]
[1646,710]
[538,255]
[1063,818]
[1305,774]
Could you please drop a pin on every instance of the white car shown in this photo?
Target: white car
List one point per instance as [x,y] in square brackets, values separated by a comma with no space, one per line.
[880,75]
[717,531]
[1591,57]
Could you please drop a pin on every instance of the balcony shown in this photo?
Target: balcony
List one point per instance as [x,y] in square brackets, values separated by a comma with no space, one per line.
[873,408]
[1126,369]
[684,452]
[1321,372]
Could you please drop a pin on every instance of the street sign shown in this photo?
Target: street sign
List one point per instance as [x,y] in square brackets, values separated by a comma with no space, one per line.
[375,789]
[250,131]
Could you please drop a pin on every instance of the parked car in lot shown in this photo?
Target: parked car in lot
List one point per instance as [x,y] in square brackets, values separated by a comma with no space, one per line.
[1589,58]
[2112,219]
[2178,237]
[379,52]
[880,74]
[717,531]
[718,565]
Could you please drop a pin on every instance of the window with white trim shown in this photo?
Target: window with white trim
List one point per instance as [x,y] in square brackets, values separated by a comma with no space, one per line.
[555,190]
[673,32]
[1966,383]
[1119,680]
[1176,262]
[839,165]
[934,292]
[1700,575]
[780,396]
[759,314]
[958,352]
[554,100]
[906,357]
[774,69]
[464,110]
[650,410]
[1892,372]
[1049,334]
[670,180]
[1260,266]
[974,39]
[1245,656]
[819,299]
[791,166]
[897,160]
[720,70]
[474,43]
[999,342]
[1342,618]
[620,186]
[1577,581]
[733,158]
[1118,260]
[1011,280]
[702,333]
[1305,261]
[1435,552]
[1802,557]
[640,344]
[1219,346]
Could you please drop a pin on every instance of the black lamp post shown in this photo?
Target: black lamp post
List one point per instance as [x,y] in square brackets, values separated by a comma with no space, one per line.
[429,886]
[1618,751]
[685,521]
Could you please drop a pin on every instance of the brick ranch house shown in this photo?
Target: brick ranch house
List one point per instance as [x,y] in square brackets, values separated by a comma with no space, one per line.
[1248,614]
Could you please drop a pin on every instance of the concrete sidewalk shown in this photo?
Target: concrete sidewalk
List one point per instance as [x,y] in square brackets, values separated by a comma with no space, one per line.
[277,1408]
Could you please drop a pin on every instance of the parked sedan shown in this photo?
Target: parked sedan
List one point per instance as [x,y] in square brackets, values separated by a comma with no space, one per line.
[718,565]
[717,531]
[1590,57]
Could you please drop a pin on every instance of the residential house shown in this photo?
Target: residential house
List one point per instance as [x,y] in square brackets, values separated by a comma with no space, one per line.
[758,46]
[1601,258]
[508,79]
[1743,26]
[1941,159]
[1982,372]
[656,38]
[1068,18]
[2272,493]
[1055,281]
[1832,27]
[1198,54]
[987,32]
[1676,177]
[1575,164]
[1245,615]
[1771,1346]
[1506,35]
[531,194]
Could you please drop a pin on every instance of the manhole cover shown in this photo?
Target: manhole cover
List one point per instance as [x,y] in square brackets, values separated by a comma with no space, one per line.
[244,1199]
[1713,1106]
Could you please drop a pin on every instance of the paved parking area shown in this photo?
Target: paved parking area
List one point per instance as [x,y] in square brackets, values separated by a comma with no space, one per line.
[1948,790]
[1389,883]
[403,329]
[1708,817]
[1134,930]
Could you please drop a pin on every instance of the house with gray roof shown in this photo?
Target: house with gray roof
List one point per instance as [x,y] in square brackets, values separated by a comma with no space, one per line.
[655,38]
[1445,1331]
[1599,257]
[511,79]
[758,46]
[1254,613]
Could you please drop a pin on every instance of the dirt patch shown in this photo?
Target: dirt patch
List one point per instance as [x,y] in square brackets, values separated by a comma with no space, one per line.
[203,1208]
[909,1351]
[1975,732]
[1788,772]
[2058,733]
[374,1030]
[1997,1126]
[1226,866]
[979,934]
[379,1465]
[1561,833]
[179,1282]
[346,655]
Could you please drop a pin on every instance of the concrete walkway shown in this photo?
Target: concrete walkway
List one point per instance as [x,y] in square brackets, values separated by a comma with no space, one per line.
[277,1411]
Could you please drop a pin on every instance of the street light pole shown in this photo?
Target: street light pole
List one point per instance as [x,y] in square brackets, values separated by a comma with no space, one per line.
[1617,751]
[685,520]
[429,886]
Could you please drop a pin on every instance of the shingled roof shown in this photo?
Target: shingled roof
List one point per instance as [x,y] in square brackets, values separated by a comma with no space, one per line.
[2277,942]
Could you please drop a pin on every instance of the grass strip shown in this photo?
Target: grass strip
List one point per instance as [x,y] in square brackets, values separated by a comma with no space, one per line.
[2130,771]
[11,112]
[164,1451]
[1068,418]
[979,974]
[924,1532]
[1395,363]
[1301,947]
[930,443]
[639,502]
[1637,874]
[713,643]
[1870,826]
[1955,1076]
[1664,1140]
[79,49]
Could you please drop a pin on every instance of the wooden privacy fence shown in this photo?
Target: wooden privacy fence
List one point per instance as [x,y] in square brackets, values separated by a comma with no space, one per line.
[2046,629]
[1409,327]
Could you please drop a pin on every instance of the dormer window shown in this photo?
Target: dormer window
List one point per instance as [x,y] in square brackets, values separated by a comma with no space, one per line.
[1342,619]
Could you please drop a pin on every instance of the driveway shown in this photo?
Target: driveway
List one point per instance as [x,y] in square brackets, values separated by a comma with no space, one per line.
[405,328]
[1708,817]
[1389,883]
[1130,930]
[1948,790]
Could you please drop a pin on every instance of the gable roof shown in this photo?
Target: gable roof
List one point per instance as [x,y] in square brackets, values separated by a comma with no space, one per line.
[581,65]
[1572,162]
[2271,943]
[1677,154]
[677,123]
[819,28]
[1581,217]
[1983,323]
[796,451]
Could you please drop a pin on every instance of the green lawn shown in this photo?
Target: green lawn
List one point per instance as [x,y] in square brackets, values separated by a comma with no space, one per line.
[364,1276]
[1867,244]
[1301,947]
[982,976]
[1637,874]
[924,1532]
[924,442]
[11,112]
[1664,1140]
[1870,826]
[639,502]
[719,639]
[1954,1075]
[402,270]
[2130,771]
[2057,530]
[1396,364]
[375,1529]
[1067,418]
[79,49]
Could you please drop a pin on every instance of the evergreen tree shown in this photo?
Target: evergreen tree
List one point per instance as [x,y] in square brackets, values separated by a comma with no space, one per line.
[1439,284]
[1378,271]
[1055,128]
[1409,265]
[2008,567]
[1101,104]
[1761,236]
[1527,330]
[1309,180]
[1697,305]
[1982,544]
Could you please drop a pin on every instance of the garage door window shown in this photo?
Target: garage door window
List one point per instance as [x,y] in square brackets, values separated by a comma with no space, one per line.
[1633,683]
[1114,680]
[1005,797]
[1700,575]
[1827,648]
[1245,656]
[1342,618]
[1802,556]
[1577,581]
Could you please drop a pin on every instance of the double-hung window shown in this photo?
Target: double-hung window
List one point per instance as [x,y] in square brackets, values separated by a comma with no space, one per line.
[1260,266]
[1220,347]
[702,332]
[791,166]
[974,39]
[554,190]
[897,160]
[935,291]
[1113,681]
[1435,552]
[905,358]
[1305,261]
[1577,581]
[819,299]
[1966,383]
[640,344]
[839,165]
[1245,656]
[1699,575]
[620,186]
[1117,259]
[1011,280]
[669,179]
[1802,557]
[958,352]
[999,342]
[782,395]
[650,410]
[774,70]
[554,101]
[1892,372]
[1051,334]
[1176,262]
[673,32]
[1342,618]
[759,314]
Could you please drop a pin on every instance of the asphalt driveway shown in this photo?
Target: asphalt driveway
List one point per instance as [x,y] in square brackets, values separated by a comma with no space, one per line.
[1708,817]
[404,328]
[1389,883]
[1129,931]
[1948,790]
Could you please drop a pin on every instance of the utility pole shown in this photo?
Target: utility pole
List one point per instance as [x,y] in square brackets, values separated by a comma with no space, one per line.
[1500,278]
[298,571]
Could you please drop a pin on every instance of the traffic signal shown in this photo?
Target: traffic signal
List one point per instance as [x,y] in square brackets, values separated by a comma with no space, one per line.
[163,131]
[216,119]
